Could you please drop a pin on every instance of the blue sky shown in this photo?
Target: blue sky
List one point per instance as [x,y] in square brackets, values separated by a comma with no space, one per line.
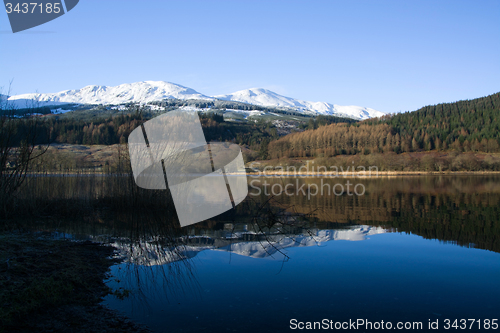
[388,55]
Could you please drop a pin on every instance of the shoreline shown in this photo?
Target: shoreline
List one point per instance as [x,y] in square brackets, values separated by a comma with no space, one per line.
[368,175]
[65,277]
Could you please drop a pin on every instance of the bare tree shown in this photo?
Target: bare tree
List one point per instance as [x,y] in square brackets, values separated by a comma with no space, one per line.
[20,136]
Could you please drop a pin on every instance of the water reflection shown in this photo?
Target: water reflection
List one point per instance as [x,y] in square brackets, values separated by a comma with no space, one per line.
[464,210]
[151,273]
[229,272]
[390,276]
[244,242]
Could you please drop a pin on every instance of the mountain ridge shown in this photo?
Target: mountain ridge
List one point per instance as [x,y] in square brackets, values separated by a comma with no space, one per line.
[139,92]
[152,91]
[265,97]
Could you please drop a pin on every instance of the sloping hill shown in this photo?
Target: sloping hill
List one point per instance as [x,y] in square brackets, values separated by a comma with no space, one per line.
[469,125]
[466,125]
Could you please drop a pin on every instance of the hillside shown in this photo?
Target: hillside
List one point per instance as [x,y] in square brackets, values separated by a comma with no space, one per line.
[471,125]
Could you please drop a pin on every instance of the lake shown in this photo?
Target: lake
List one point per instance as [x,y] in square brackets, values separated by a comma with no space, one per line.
[402,252]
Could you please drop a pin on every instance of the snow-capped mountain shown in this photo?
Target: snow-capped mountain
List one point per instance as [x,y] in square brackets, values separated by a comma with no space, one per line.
[138,92]
[151,91]
[264,97]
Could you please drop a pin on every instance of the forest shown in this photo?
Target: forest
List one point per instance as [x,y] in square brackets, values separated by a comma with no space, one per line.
[113,130]
[464,126]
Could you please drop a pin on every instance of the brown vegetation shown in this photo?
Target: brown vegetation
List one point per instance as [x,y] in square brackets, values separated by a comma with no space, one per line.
[347,139]
[390,162]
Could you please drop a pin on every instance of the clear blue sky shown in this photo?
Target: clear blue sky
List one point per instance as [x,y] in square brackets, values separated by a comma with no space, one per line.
[387,55]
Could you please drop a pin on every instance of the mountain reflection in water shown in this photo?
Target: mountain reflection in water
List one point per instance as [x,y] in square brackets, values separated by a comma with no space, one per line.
[148,253]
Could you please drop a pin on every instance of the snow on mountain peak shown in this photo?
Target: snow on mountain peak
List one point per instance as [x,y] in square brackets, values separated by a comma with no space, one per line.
[260,96]
[151,91]
[264,97]
[138,92]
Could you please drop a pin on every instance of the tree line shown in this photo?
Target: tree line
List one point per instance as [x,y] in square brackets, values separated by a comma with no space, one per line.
[116,129]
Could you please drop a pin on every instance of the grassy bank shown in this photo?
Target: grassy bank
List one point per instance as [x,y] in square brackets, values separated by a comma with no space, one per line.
[66,158]
[51,285]
[404,163]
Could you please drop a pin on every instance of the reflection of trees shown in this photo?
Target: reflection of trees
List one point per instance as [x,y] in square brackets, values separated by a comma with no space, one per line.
[143,223]
[465,210]
[466,224]
[111,209]
[461,209]
[153,269]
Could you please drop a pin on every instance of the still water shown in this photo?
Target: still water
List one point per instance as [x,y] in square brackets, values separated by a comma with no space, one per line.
[407,251]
